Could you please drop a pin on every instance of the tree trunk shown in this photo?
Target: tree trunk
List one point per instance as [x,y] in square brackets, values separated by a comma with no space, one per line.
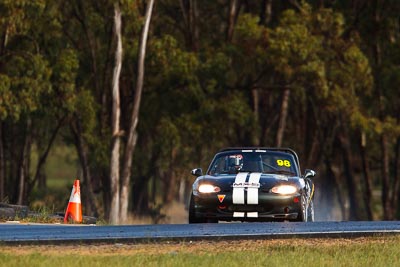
[81,9]
[311,122]
[194,26]
[140,197]
[3,45]
[267,119]
[132,135]
[233,12]
[190,17]
[256,109]
[2,165]
[22,173]
[115,120]
[144,187]
[282,117]
[87,186]
[386,190]
[367,178]
[377,55]
[170,179]
[396,181]
[266,12]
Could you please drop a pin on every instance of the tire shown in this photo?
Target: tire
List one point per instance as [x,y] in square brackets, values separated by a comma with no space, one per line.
[303,215]
[310,211]
[192,214]
[20,211]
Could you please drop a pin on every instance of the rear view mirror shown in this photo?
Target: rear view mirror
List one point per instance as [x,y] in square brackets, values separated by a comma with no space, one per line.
[309,173]
[197,172]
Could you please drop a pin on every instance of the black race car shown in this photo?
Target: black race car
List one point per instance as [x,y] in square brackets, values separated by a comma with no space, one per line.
[252,184]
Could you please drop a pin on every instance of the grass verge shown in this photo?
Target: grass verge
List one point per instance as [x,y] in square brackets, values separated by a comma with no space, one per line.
[373,251]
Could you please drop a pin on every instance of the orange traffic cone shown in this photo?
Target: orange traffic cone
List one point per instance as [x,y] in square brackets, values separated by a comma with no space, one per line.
[74,208]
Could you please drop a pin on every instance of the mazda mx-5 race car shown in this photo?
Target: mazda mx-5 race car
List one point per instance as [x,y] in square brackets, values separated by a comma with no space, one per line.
[252,184]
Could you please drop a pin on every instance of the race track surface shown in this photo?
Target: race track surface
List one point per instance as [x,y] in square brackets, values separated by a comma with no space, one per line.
[13,233]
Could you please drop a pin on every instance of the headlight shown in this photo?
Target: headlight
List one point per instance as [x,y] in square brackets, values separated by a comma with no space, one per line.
[284,189]
[208,188]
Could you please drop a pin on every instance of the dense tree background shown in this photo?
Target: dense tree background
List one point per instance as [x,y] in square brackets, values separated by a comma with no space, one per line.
[319,76]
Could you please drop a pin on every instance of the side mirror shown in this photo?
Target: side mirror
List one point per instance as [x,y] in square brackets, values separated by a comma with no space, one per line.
[309,173]
[197,172]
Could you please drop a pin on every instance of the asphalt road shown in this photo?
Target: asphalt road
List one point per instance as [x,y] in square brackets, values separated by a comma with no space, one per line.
[12,233]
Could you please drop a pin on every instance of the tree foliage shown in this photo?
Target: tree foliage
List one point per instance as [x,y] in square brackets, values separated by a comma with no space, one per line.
[319,76]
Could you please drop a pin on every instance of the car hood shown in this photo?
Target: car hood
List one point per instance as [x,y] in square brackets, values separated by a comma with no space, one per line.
[263,180]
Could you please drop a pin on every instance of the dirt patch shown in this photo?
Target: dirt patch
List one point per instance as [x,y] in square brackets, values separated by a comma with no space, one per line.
[173,213]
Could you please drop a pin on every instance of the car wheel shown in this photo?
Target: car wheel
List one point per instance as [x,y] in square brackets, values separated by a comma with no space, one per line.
[192,214]
[310,211]
[302,217]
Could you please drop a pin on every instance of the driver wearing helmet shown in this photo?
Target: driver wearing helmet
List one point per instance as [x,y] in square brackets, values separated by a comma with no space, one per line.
[235,163]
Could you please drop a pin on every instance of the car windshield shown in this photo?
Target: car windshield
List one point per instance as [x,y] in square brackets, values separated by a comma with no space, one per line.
[265,162]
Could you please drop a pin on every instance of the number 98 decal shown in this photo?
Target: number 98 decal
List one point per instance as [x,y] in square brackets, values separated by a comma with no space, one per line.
[283,163]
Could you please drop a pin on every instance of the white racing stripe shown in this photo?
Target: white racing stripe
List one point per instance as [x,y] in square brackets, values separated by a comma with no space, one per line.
[252,214]
[238,214]
[252,192]
[238,192]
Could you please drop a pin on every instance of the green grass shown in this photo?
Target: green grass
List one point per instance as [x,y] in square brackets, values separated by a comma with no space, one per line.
[378,251]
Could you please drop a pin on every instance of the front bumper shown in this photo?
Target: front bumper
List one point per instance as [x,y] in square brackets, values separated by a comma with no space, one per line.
[270,207]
